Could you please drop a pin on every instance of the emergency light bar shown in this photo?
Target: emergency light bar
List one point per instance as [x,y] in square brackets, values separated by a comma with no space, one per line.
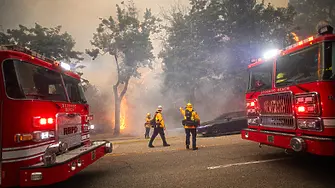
[308,40]
[327,29]
[35,55]
[65,66]
[255,60]
[272,53]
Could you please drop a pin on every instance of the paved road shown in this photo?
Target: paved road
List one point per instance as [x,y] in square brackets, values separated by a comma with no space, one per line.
[220,162]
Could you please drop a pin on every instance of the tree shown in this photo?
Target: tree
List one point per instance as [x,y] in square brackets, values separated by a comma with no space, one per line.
[128,40]
[311,12]
[214,41]
[50,42]
[98,101]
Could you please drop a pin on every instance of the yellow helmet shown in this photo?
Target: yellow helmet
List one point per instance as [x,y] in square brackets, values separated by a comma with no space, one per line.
[148,114]
[188,105]
[280,77]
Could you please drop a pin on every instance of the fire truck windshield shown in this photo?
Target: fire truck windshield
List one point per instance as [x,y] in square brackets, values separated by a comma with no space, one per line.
[74,89]
[298,67]
[24,80]
[260,77]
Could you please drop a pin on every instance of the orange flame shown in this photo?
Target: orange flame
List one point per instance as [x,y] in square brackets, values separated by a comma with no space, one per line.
[295,37]
[124,109]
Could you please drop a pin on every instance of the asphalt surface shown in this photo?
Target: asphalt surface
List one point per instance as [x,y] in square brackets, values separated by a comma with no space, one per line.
[226,161]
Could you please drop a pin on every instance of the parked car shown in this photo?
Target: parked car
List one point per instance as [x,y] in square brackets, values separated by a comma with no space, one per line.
[228,123]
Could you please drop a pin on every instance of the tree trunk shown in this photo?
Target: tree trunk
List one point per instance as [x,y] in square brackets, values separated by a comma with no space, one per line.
[117,110]
[117,102]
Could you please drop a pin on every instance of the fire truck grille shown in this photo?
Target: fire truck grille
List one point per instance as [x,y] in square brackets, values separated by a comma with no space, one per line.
[276,104]
[69,129]
[278,122]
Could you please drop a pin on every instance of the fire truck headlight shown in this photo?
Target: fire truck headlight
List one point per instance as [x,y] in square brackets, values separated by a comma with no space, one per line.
[92,127]
[253,121]
[41,136]
[271,53]
[79,163]
[36,176]
[309,124]
[73,166]
[65,66]
[109,147]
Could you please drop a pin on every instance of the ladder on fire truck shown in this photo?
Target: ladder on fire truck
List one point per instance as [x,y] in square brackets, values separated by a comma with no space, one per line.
[17,48]
[33,54]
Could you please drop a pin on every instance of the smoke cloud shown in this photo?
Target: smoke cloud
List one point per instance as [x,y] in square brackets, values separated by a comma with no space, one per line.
[80,19]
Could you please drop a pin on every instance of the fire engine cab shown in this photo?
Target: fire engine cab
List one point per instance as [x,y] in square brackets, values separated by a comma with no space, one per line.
[291,96]
[44,121]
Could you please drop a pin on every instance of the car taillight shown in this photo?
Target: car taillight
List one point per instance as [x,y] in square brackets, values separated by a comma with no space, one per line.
[42,121]
[307,105]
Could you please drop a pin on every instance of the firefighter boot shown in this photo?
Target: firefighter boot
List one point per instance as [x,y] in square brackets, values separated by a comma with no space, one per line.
[187,146]
[150,143]
[194,146]
[164,141]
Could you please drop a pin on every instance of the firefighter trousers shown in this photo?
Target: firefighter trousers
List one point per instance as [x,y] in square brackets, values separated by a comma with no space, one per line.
[157,131]
[147,131]
[194,137]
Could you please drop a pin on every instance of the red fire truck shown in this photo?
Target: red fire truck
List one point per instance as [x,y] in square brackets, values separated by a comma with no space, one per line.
[44,121]
[291,97]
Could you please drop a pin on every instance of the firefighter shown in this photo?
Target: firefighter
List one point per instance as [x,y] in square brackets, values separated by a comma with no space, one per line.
[190,122]
[159,127]
[147,125]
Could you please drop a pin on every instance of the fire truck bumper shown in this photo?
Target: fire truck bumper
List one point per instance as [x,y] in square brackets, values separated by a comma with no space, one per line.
[65,166]
[311,144]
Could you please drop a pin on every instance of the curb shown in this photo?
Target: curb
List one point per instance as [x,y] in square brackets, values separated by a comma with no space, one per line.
[135,140]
